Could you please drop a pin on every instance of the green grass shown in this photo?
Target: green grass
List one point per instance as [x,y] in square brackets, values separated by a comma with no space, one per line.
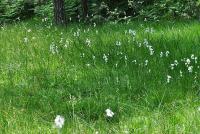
[77,82]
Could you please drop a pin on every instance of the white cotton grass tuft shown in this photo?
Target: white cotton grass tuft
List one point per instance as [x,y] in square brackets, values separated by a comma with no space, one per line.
[181,73]
[146,62]
[88,42]
[132,32]
[167,53]
[118,43]
[187,62]
[161,54]
[59,121]
[25,40]
[29,30]
[192,56]
[53,48]
[151,50]
[190,69]
[169,78]
[105,57]
[176,63]
[109,113]
[172,66]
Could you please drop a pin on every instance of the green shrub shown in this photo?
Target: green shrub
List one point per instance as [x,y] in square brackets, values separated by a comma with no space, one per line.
[18,9]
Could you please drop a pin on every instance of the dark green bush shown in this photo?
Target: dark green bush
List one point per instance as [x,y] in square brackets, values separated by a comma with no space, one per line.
[17,9]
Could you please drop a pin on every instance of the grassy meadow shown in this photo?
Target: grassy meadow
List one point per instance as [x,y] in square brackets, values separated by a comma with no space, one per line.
[147,73]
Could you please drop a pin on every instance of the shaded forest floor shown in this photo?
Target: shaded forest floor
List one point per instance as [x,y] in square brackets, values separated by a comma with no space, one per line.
[147,73]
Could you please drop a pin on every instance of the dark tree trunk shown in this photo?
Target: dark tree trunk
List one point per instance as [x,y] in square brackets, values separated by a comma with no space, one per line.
[59,12]
[85,8]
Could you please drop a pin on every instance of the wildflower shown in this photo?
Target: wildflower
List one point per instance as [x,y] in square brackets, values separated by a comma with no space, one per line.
[161,54]
[118,43]
[176,63]
[181,73]
[116,65]
[132,32]
[29,30]
[59,121]
[192,57]
[134,61]
[149,70]
[190,69]
[146,42]
[74,34]
[53,48]
[105,58]
[140,44]
[151,50]
[77,33]
[187,62]
[88,42]
[146,62]
[88,65]
[94,24]
[167,53]
[168,78]
[44,20]
[82,55]
[149,30]
[126,131]
[125,57]
[195,60]
[66,43]
[25,40]
[61,40]
[109,113]
[172,66]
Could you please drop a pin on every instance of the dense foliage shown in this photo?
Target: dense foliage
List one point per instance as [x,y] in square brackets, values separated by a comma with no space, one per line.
[103,10]
[14,10]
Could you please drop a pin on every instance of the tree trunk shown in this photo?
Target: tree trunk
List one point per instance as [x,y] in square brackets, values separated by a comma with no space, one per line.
[85,8]
[59,12]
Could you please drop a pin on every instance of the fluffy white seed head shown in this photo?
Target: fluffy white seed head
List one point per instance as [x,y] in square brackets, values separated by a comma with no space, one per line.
[168,78]
[109,113]
[59,121]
